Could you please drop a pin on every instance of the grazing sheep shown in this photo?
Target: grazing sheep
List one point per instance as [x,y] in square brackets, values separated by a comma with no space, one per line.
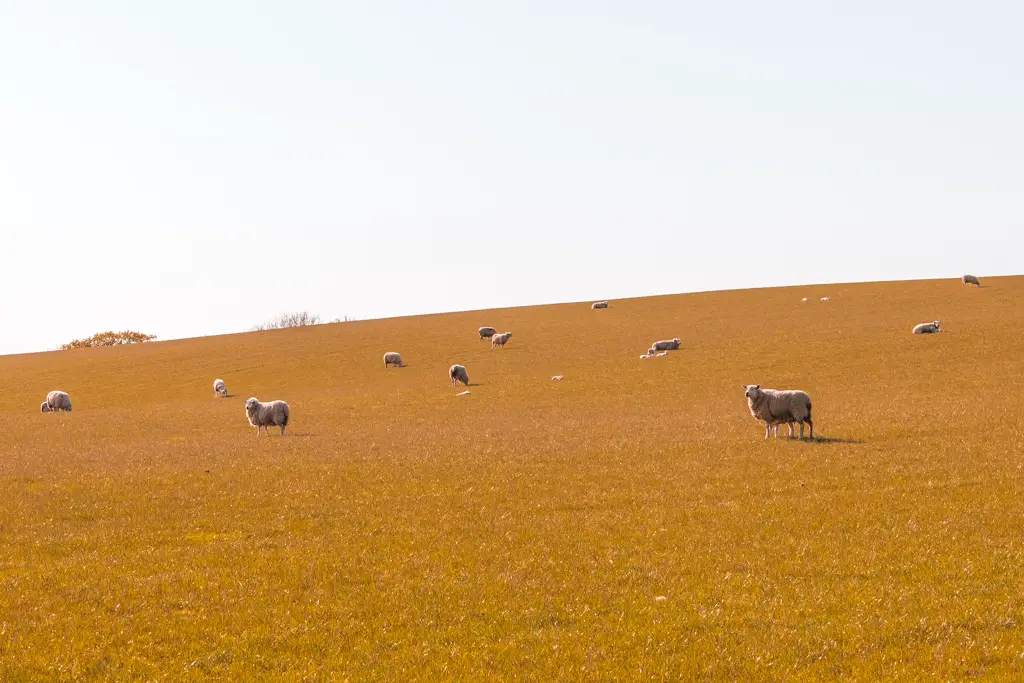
[487,332]
[599,304]
[804,299]
[392,358]
[928,328]
[500,339]
[969,280]
[774,407]
[666,345]
[55,402]
[266,415]
[558,377]
[219,389]
[826,298]
[457,373]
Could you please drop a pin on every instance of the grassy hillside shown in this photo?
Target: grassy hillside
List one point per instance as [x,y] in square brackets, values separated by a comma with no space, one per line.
[627,522]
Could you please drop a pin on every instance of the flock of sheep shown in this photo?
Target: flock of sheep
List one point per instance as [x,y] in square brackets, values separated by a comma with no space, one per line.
[773,407]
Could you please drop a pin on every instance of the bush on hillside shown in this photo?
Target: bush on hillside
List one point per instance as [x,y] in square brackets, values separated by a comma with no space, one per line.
[109,339]
[301,319]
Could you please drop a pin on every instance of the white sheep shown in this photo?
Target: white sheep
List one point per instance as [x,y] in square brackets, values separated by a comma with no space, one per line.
[392,358]
[487,332]
[457,373]
[826,298]
[666,345]
[804,299]
[219,389]
[55,402]
[500,339]
[267,415]
[774,407]
[928,328]
[969,280]
[599,304]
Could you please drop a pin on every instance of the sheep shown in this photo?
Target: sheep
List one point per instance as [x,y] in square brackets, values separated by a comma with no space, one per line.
[599,304]
[392,358]
[928,328]
[218,388]
[56,401]
[266,415]
[774,407]
[666,345]
[969,280]
[804,299]
[487,332]
[457,373]
[500,339]
[826,298]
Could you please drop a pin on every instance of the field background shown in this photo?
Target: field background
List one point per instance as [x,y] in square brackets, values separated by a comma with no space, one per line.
[629,522]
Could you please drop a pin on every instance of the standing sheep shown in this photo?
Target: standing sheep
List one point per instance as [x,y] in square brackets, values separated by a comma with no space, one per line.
[774,407]
[500,339]
[392,358]
[458,373]
[599,304]
[266,415]
[969,280]
[487,332]
[55,402]
[928,328]
[666,345]
[219,389]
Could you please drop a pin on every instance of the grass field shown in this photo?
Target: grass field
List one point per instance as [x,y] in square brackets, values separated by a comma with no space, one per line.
[628,522]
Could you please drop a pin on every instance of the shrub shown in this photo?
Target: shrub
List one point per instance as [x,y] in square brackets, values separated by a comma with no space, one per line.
[301,319]
[109,339]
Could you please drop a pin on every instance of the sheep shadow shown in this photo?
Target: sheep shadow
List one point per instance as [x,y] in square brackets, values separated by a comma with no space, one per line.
[827,440]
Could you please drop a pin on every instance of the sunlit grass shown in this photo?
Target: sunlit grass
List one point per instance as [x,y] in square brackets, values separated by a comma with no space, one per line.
[626,522]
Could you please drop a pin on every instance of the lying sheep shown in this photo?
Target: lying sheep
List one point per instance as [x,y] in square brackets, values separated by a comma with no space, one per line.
[500,339]
[219,389]
[55,402]
[969,280]
[599,304]
[774,407]
[826,298]
[392,358]
[458,373]
[266,415]
[666,345]
[487,332]
[928,328]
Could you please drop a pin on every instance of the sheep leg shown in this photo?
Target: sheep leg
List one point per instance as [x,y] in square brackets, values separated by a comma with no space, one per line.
[282,429]
[801,430]
[767,430]
[811,425]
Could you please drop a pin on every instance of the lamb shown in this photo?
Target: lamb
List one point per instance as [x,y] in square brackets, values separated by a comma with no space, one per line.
[458,373]
[266,415]
[599,304]
[487,332]
[55,402]
[392,358]
[666,345]
[969,280]
[500,339]
[774,407]
[219,389]
[928,328]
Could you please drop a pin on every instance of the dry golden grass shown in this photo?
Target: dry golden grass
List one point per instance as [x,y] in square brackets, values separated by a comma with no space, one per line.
[628,522]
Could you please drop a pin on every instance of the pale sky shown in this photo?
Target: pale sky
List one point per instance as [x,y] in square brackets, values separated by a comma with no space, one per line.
[188,168]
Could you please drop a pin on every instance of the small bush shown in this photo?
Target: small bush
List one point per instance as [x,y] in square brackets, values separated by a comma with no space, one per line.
[301,319]
[109,339]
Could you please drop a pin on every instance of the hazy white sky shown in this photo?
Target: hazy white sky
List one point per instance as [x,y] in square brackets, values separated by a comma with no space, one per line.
[187,168]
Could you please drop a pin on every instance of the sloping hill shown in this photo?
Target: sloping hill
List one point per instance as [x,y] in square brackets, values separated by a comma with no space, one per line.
[627,522]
